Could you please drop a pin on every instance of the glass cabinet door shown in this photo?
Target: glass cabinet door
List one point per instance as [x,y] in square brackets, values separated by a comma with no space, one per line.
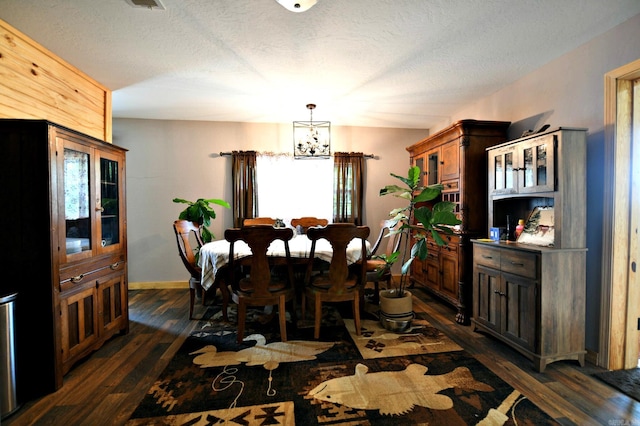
[76,208]
[537,165]
[418,161]
[502,171]
[108,202]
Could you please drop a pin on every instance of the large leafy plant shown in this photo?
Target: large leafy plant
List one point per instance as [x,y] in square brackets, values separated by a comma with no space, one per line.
[417,220]
[202,212]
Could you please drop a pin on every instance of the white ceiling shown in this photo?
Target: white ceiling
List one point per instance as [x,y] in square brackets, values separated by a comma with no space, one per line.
[379,63]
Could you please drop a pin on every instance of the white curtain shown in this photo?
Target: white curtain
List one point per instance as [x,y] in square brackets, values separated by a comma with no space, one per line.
[290,188]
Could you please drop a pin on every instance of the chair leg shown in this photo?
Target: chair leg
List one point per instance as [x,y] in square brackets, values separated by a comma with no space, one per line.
[225,300]
[303,307]
[192,296]
[242,317]
[318,317]
[356,312]
[282,314]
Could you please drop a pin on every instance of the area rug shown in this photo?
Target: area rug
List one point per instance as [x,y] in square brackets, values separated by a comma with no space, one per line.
[375,341]
[214,380]
[626,381]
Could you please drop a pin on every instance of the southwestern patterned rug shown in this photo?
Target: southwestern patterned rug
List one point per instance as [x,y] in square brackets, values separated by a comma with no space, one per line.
[335,381]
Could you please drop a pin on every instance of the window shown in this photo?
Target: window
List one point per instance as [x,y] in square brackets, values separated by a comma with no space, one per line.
[289,188]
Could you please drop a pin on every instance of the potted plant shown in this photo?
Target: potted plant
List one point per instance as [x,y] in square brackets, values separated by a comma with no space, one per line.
[202,212]
[418,221]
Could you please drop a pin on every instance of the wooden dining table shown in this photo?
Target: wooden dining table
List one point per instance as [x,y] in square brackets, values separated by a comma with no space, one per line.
[214,256]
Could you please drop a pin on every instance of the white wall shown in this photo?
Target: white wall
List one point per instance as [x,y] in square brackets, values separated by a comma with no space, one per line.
[169,159]
[569,92]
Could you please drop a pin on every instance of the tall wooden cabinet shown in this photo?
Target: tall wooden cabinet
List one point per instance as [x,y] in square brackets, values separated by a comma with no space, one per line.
[532,296]
[456,158]
[63,215]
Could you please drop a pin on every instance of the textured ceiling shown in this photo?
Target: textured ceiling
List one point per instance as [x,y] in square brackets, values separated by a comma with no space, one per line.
[379,63]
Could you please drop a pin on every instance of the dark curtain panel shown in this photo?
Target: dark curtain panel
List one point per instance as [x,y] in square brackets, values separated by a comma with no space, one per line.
[348,187]
[245,186]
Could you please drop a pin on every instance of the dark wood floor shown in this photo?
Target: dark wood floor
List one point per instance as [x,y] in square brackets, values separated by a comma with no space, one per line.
[107,386]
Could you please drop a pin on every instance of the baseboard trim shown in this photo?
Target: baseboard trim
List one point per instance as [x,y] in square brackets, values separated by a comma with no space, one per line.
[159,285]
[592,357]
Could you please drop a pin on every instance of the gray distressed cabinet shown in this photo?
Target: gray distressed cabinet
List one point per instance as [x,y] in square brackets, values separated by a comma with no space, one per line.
[532,295]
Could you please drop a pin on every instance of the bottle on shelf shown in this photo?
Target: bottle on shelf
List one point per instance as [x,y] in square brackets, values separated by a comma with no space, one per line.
[519,228]
[509,229]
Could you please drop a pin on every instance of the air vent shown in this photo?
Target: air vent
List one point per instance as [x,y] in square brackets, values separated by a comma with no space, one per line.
[148,4]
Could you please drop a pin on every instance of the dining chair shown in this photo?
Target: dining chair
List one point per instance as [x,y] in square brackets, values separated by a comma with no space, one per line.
[377,269]
[186,231]
[258,279]
[307,221]
[343,282]
[258,221]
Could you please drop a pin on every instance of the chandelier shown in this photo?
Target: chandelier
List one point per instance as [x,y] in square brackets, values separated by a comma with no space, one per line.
[311,140]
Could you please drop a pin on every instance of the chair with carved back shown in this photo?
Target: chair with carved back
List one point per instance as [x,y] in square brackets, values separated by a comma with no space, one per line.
[258,221]
[343,282]
[377,269]
[260,280]
[308,222]
[186,232]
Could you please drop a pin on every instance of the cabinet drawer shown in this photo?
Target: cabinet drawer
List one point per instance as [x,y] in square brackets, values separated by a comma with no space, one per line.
[452,244]
[519,263]
[451,186]
[70,283]
[487,256]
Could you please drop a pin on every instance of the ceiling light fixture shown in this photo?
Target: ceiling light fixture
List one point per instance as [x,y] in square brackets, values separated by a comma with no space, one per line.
[297,5]
[311,140]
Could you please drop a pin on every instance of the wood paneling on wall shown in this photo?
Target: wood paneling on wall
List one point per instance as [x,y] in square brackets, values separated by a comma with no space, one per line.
[35,83]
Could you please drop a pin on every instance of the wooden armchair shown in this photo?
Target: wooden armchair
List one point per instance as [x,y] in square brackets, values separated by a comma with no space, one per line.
[252,279]
[342,283]
[184,230]
[377,269]
[307,222]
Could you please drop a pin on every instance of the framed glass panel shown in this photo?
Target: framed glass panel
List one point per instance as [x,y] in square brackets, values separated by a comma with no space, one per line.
[499,172]
[76,201]
[541,161]
[432,177]
[508,166]
[528,167]
[110,202]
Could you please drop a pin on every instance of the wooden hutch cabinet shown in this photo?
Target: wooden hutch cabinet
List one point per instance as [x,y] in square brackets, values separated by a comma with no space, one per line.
[532,296]
[456,158]
[63,212]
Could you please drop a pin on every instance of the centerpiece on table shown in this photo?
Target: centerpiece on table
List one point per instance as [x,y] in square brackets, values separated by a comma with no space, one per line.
[418,221]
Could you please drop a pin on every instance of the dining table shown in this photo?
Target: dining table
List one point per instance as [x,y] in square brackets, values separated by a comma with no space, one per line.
[214,255]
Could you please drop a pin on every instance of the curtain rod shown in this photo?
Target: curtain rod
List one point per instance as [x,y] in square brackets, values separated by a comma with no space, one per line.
[226,154]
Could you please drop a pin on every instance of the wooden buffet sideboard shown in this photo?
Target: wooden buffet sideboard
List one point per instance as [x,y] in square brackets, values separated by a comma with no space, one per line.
[531,294]
[456,158]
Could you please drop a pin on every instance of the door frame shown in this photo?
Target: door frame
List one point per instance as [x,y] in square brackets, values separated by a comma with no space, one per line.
[620,301]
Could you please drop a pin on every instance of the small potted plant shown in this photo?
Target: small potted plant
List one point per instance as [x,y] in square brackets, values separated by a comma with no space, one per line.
[202,212]
[418,221]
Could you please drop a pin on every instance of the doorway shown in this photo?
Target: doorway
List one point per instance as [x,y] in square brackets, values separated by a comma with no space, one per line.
[620,342]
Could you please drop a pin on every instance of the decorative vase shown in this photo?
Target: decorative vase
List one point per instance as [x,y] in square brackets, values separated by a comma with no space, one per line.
[396,312]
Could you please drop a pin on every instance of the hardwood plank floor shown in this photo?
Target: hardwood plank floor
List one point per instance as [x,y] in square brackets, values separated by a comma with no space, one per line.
[106,387]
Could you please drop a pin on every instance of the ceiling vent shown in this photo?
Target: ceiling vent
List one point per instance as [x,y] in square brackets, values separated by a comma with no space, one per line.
[148,4]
